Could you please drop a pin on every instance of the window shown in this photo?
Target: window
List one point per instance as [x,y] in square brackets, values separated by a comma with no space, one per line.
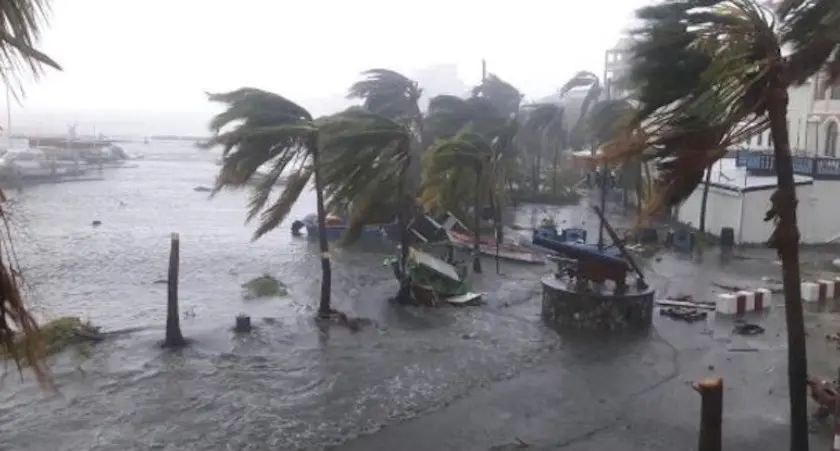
[831,139]
[759,139]
[835,91]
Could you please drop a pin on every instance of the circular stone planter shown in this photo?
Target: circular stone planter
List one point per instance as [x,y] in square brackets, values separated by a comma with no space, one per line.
[567,309]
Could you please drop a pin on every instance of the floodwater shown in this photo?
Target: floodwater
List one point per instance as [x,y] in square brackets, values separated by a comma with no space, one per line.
[286,386]
[469,378]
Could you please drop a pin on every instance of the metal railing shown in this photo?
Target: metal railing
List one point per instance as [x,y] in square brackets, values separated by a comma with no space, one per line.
[763,162]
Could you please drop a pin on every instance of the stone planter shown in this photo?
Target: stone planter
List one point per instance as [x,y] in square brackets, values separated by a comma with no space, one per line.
[566,309]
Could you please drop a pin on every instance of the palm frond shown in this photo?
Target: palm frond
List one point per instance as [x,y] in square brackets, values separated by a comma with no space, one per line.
[364,162]
[811,28]
[699,71]
[20,30]
[260,129]
[449,115]
[580,79]
[501,94]
[608,118]
[274,215]
[388,93]
[452,169]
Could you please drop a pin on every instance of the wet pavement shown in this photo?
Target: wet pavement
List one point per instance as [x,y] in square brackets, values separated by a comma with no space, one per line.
[467,379]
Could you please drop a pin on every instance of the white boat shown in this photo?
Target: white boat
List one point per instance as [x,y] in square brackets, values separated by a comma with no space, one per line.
[29,163]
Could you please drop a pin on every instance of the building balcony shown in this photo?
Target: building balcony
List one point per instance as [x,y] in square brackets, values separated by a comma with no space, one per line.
[762,162]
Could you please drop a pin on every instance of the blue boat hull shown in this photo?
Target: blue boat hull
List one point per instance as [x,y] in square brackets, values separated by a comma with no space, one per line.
[570,240]
[336,231]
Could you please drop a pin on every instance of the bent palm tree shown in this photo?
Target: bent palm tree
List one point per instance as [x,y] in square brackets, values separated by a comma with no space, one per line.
[501,94]
[365,167]
[20,337]
[546,123]
[462,165]
[710,73]
[260,128]
[578,133]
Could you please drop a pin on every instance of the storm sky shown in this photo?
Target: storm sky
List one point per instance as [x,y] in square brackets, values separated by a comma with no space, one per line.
[157,55]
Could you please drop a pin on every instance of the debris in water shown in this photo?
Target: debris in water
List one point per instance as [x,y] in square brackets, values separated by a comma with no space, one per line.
[202,189]
[748,329]
[264,286]
[96,223]
[61,333]
[687,314]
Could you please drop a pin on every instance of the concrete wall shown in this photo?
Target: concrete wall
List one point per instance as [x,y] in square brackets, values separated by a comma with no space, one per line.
[723,209]
[818,216]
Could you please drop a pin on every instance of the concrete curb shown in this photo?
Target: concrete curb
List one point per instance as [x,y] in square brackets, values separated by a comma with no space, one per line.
[743,302]
[821,290]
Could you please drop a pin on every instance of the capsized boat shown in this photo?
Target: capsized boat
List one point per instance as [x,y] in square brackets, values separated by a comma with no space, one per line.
[336,226]
[434,280]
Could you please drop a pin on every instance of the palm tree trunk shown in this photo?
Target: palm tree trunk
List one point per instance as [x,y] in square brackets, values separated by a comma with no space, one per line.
[477,226]
[324,308]
[554,170]
[785,239]
[536,172]
[703,201]
[403,219]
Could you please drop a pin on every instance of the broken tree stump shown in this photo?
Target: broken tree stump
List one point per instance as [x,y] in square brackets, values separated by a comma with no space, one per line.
[711,413]
[174,337]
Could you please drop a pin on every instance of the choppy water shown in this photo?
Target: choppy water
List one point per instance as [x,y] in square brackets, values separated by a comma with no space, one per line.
[285,387]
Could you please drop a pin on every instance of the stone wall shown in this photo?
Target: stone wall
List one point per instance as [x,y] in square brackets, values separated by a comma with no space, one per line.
[570,310]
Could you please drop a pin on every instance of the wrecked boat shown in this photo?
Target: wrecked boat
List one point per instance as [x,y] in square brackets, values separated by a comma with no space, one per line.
[434,281]
[455,232]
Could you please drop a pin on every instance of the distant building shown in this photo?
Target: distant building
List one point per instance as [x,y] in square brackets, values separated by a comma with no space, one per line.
[616,66]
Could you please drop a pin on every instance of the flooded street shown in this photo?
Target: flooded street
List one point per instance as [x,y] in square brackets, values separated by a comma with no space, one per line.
[459,379]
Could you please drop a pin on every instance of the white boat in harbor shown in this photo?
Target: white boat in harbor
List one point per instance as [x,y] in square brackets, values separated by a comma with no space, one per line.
[29,163]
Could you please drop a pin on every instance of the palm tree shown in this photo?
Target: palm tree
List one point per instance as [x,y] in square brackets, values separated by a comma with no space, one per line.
[394,96]
[501,94]
[578,133]
[545,121]
[462,166]
[21,23]
[365,167]
[604,123]
[709,73]
[260,128]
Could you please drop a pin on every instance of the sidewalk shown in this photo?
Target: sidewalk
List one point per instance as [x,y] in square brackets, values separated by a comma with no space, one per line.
[620,394]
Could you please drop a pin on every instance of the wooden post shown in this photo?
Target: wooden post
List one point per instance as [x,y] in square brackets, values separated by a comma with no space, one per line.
[174,337]
[836,445]
[711,413]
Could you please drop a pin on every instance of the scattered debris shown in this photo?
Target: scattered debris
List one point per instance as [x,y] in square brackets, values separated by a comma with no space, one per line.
[59,334]
[696,305]
[824,393]
[202,189]
[96,223]
[728,287]
[747,329]
[687,314]
[465,299]
[264,286]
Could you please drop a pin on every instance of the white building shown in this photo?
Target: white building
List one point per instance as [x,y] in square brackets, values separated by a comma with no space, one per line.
[616,64]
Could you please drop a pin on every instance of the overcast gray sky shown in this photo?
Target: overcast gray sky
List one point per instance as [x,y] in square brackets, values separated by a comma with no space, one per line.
[163,54]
